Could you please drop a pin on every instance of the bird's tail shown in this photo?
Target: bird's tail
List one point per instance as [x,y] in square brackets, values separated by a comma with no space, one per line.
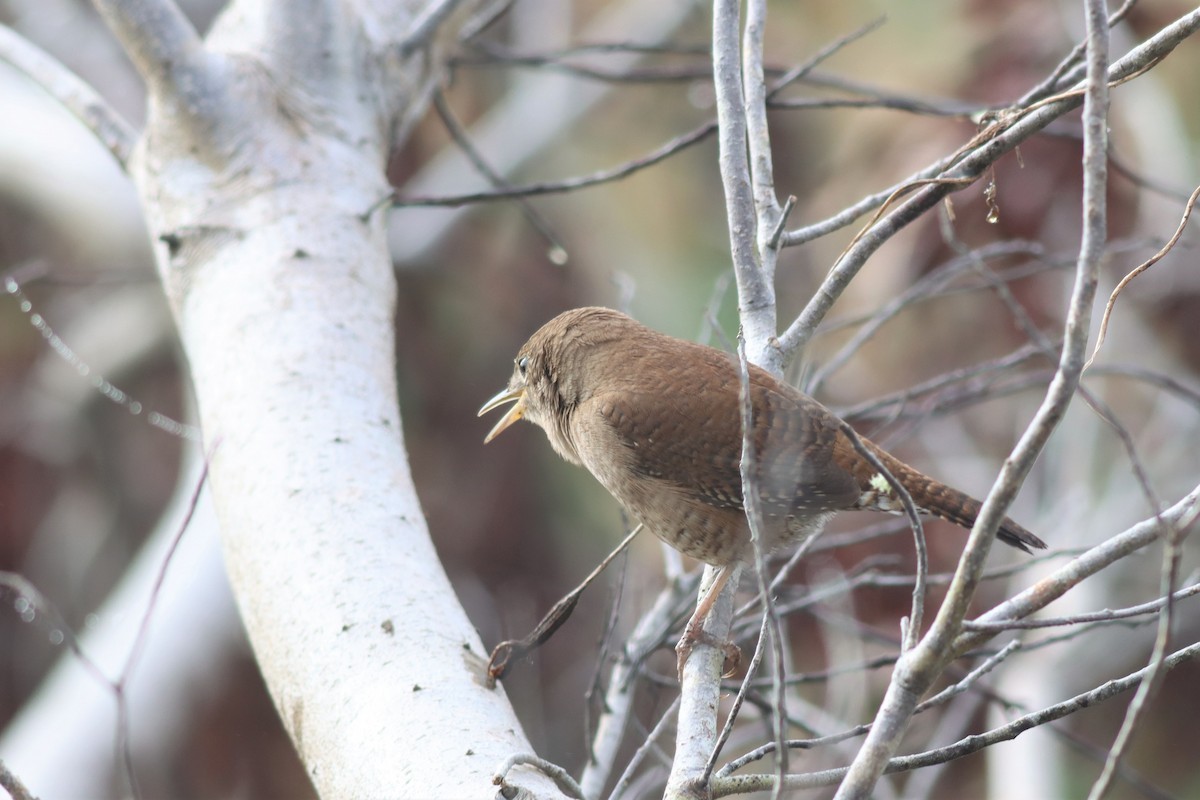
[948,503]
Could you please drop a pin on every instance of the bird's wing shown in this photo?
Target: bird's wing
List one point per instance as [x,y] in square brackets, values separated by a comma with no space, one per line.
[690,437]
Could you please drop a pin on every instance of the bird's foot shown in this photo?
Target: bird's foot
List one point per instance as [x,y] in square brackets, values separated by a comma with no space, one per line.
[691,638]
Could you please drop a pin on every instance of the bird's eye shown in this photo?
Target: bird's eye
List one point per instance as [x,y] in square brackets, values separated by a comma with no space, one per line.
[522,364]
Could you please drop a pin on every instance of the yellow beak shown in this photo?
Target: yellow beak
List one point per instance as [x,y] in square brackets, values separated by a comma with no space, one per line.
[514,413]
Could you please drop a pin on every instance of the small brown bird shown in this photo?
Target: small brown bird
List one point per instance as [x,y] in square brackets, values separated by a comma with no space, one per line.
[657,421]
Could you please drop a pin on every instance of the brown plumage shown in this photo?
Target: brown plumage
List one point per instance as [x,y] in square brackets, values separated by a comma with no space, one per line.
[656,420]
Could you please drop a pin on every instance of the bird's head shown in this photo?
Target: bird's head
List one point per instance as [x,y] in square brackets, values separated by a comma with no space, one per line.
[555,371]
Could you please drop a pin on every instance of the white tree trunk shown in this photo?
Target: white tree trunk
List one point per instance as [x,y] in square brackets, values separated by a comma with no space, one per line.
[265,147]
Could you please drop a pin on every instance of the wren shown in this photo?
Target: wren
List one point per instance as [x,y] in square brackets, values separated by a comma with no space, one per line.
[657,421]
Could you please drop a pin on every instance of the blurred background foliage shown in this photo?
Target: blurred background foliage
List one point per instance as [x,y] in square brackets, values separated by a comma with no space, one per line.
[82,481]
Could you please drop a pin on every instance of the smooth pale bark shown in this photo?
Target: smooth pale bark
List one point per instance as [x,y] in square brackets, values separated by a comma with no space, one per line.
[265,146]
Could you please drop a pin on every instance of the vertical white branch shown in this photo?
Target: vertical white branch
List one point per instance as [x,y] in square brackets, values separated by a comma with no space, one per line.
[701,673]
[756,295]
[753,216]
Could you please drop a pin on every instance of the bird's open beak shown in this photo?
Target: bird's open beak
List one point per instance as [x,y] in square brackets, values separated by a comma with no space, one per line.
[514,413]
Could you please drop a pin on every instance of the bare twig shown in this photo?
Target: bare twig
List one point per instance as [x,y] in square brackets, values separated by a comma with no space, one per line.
[911,105]
[1149,376]
[966,683]
[805,70]
[916,620]
[892,406]
[723,787]
[30,602]
[756,294]
[754,518]
[649,632]
[647,746]
[930,285]
[426,24]
[13,785]
[1071,65]
[463,140]
[1056,584]
[139,642]
[1172,554]
[756,311]
[562,779]
[1106,615]
[739,698]
[504,653]
[1138,270]
[165,49]
[917,669]
[667,150]
[1003,135]
[76,95]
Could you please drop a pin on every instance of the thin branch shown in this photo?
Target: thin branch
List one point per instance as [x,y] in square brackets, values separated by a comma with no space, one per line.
[1120,167]
[648,745]
[30,602]
[1055,585]
[925,108]
[649,632]
[972,677]
[460,136]
[428,21]
[761,172]
[593,698]
[498,52]
[1152,377]
[756,294]
[804,71]
[967,682]
[75,94]
[1009,130]
[667,150]
[507,651]
[1172,554]
[562,779]
[617,173]
[163,46]
[100,383]
[918,668]
[1024,321]
[754,517]
[930,285]
[1070,65]
[552,63]
[556,59]
[1138,270]
[723,787]
[1106,615]
[916,620]
[13,785]
[1066,378]
[739,698]
[892,406]
[120,685]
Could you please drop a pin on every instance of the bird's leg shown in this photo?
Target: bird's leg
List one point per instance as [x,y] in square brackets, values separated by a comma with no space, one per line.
[694,632]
